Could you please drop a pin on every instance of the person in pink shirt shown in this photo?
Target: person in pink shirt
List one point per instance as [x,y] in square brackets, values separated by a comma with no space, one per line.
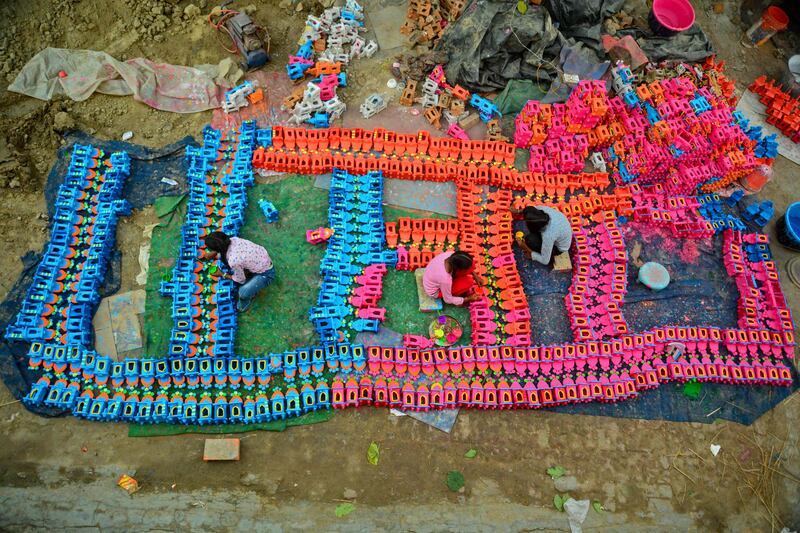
[451,276]
[250,264]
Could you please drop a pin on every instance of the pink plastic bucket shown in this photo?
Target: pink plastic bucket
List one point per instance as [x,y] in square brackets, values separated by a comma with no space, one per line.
[668,17]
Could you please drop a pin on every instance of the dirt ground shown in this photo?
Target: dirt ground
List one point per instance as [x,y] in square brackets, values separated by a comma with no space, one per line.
[60,473]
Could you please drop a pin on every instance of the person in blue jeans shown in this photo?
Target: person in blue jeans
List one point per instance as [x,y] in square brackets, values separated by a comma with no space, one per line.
[250,264]
[549,234]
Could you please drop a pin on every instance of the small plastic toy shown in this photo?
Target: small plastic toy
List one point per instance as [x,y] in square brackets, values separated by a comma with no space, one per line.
[237,98]
[319,235]
[269,210]
[373,105]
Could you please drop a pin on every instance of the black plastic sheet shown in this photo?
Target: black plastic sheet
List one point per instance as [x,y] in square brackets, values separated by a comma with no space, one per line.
[492,42]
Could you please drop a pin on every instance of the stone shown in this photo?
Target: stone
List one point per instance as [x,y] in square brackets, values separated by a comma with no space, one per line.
[191,11]
[467,122]
[350,494]
[386,23]
[62,121]
[249,479]
[660,506]
[299,7]
[250,9]
[285,4]
[664,491]
[271,486]
[566,483]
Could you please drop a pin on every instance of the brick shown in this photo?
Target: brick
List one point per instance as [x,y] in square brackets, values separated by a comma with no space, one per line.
[434,116]
[470,120]
[221,450]
[562,263]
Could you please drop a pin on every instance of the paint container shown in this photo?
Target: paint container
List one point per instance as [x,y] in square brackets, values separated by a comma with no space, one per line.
[756,180]
[670,17]
[654,276]
[791,77]
[788,227]
[773,20]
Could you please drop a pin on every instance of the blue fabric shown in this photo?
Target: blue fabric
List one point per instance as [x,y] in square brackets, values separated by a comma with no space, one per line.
[253,286]
[700,293]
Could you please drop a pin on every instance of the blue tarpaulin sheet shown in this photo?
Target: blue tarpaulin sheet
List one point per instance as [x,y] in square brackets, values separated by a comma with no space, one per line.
[701,293]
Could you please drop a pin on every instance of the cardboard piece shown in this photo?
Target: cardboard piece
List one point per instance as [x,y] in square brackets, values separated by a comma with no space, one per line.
[426,303]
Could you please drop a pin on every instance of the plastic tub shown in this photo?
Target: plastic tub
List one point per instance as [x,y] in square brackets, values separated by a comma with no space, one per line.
[669,17]
[773,20]
[791,77]
[654,276]
[788,227]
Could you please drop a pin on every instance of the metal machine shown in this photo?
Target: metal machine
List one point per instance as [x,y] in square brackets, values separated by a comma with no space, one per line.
[243,36]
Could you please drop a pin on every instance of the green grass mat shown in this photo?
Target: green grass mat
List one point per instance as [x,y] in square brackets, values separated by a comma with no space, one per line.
[278,318]
[164,245]
[402,307]
[163,430]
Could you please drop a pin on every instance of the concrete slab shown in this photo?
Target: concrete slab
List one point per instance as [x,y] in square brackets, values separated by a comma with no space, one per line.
[127,332]
[221,450]
[436,197]
[386,22]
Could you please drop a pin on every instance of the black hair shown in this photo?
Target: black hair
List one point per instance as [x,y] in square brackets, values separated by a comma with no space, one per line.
[459,261]
[219,242]
[535,219]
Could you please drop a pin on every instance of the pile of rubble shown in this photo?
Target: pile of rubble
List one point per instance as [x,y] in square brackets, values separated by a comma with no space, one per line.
[330,42]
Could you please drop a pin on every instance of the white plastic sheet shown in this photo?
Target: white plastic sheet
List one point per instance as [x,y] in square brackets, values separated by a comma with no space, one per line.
[160,85]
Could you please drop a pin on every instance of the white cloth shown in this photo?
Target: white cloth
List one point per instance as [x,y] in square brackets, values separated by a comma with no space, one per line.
[159,85]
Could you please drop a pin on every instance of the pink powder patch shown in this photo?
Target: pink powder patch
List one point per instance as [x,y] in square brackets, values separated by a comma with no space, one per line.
[690,252]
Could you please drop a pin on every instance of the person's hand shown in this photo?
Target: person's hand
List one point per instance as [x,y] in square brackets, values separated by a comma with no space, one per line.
[219,274]
[478,279]
[472,298]
[208,255]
